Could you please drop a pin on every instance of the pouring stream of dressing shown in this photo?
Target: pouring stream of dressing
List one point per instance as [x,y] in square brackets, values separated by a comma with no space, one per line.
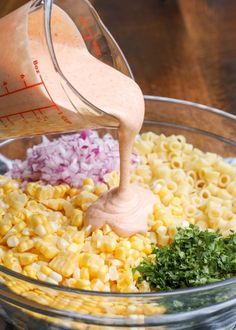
[126,207]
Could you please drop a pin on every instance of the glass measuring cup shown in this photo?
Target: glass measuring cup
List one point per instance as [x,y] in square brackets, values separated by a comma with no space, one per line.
[37,96]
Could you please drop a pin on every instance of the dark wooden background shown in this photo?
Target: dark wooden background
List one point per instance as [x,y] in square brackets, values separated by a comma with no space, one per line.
[184,49]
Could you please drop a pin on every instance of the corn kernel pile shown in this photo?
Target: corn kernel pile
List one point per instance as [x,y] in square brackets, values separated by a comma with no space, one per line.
[41,226]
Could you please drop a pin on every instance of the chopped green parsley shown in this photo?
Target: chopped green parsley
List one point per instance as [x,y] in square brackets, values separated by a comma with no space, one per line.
[194,258]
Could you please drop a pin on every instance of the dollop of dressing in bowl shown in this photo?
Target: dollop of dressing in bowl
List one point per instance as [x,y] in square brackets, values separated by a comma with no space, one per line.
[126,212]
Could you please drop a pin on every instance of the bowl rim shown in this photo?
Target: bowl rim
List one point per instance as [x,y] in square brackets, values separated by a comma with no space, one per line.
[190,103]
[159,294]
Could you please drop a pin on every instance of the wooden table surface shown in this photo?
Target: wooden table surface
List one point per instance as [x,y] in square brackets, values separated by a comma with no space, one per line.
[183,49]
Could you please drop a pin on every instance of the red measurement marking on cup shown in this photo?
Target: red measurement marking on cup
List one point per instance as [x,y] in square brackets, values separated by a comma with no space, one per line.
[39,112]
[88,36]
[22,76]
[5,86]
[20,89]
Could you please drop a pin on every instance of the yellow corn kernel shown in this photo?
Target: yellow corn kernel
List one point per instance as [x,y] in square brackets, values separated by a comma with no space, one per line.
[134,254]
[54,204]
[34,207]
[100,189]
[29,271]
[18,215]
[103,273]
[44,192]
[59,191]
[16,200]
[25,245]
[85,206]
[8,218]
[68,208]
[163,240]
[97,285]
[49,251]
[125,243]
[46,270]
[76,218]
[64,263]
[108,244]
[172,231]
[10,186]
[13,241]
[2,211]
[78,237]
[124,280]
[147,248]
[5,227]
[37,219]
[156,209]
[167,221]
[121,253]
[112,179]
[137,244]
[66,187]
[41,230]
[88,187]
[10,233]
[73,192]
[90,259]
[27,258]
[31,188]
[62,243]
[70,282]
[15,219]
[10,261]
[88,181]
[3,250]
[106,229]
[82,284]
[84,273]
[113,235]
[75,248]
[84,197]
[97,238]
[20,226]
[93,270]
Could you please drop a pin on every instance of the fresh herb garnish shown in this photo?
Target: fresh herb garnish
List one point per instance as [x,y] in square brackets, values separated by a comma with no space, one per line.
[194,258]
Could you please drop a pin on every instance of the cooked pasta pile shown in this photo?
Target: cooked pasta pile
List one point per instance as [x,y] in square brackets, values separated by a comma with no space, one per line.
[42,233]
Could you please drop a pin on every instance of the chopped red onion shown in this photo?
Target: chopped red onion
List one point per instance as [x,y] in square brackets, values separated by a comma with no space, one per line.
[70,159]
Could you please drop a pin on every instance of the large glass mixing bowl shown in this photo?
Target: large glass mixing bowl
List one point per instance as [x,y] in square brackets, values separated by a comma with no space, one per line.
[207,307]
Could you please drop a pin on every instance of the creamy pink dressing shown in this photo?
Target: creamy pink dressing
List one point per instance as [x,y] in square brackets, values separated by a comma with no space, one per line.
[125,208]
